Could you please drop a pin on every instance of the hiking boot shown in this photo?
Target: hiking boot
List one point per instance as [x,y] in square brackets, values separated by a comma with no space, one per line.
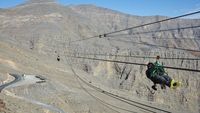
[163,87]
[175,84]
[154,87]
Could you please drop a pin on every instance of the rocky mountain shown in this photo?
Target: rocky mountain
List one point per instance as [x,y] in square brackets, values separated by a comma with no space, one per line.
[35,33]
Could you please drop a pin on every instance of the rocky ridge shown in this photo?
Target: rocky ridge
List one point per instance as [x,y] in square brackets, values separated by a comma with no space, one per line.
[47,28]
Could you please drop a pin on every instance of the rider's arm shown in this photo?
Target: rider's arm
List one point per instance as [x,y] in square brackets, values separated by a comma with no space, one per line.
[159,67]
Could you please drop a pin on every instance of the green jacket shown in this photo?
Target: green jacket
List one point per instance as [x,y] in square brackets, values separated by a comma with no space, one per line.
[157,70]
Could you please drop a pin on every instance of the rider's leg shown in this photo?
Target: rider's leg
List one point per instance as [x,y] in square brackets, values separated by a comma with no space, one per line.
[160,80]
[154,87]
[163,86]
[168,79]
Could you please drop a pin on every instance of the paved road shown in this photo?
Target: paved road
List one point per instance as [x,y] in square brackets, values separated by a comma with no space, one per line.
[17,79]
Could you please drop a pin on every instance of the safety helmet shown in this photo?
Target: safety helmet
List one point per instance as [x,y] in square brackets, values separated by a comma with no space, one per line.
[150,65]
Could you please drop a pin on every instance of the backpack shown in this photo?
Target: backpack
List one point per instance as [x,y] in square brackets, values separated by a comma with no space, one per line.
[158,69]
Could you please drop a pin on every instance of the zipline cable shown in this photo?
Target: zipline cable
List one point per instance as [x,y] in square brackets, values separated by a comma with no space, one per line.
[119,97]
[103,102]
[154,22]
[96,98]
[162,30]
[151,23]
[134,63]
[145,43]
[151,37]
[134,56]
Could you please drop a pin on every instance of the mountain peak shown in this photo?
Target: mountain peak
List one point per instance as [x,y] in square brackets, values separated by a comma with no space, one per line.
[40,1]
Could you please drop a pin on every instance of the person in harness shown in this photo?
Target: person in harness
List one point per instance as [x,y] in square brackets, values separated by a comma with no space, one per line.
[156,73]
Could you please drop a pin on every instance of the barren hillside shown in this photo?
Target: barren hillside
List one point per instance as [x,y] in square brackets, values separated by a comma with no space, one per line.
[34,34]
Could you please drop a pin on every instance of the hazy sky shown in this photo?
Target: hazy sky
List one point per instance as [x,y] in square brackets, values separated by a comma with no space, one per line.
[135,7]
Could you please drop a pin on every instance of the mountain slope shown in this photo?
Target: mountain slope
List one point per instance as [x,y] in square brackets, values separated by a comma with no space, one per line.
[34,34]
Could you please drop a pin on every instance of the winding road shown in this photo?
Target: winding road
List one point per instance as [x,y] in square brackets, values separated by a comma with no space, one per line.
[17,79]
